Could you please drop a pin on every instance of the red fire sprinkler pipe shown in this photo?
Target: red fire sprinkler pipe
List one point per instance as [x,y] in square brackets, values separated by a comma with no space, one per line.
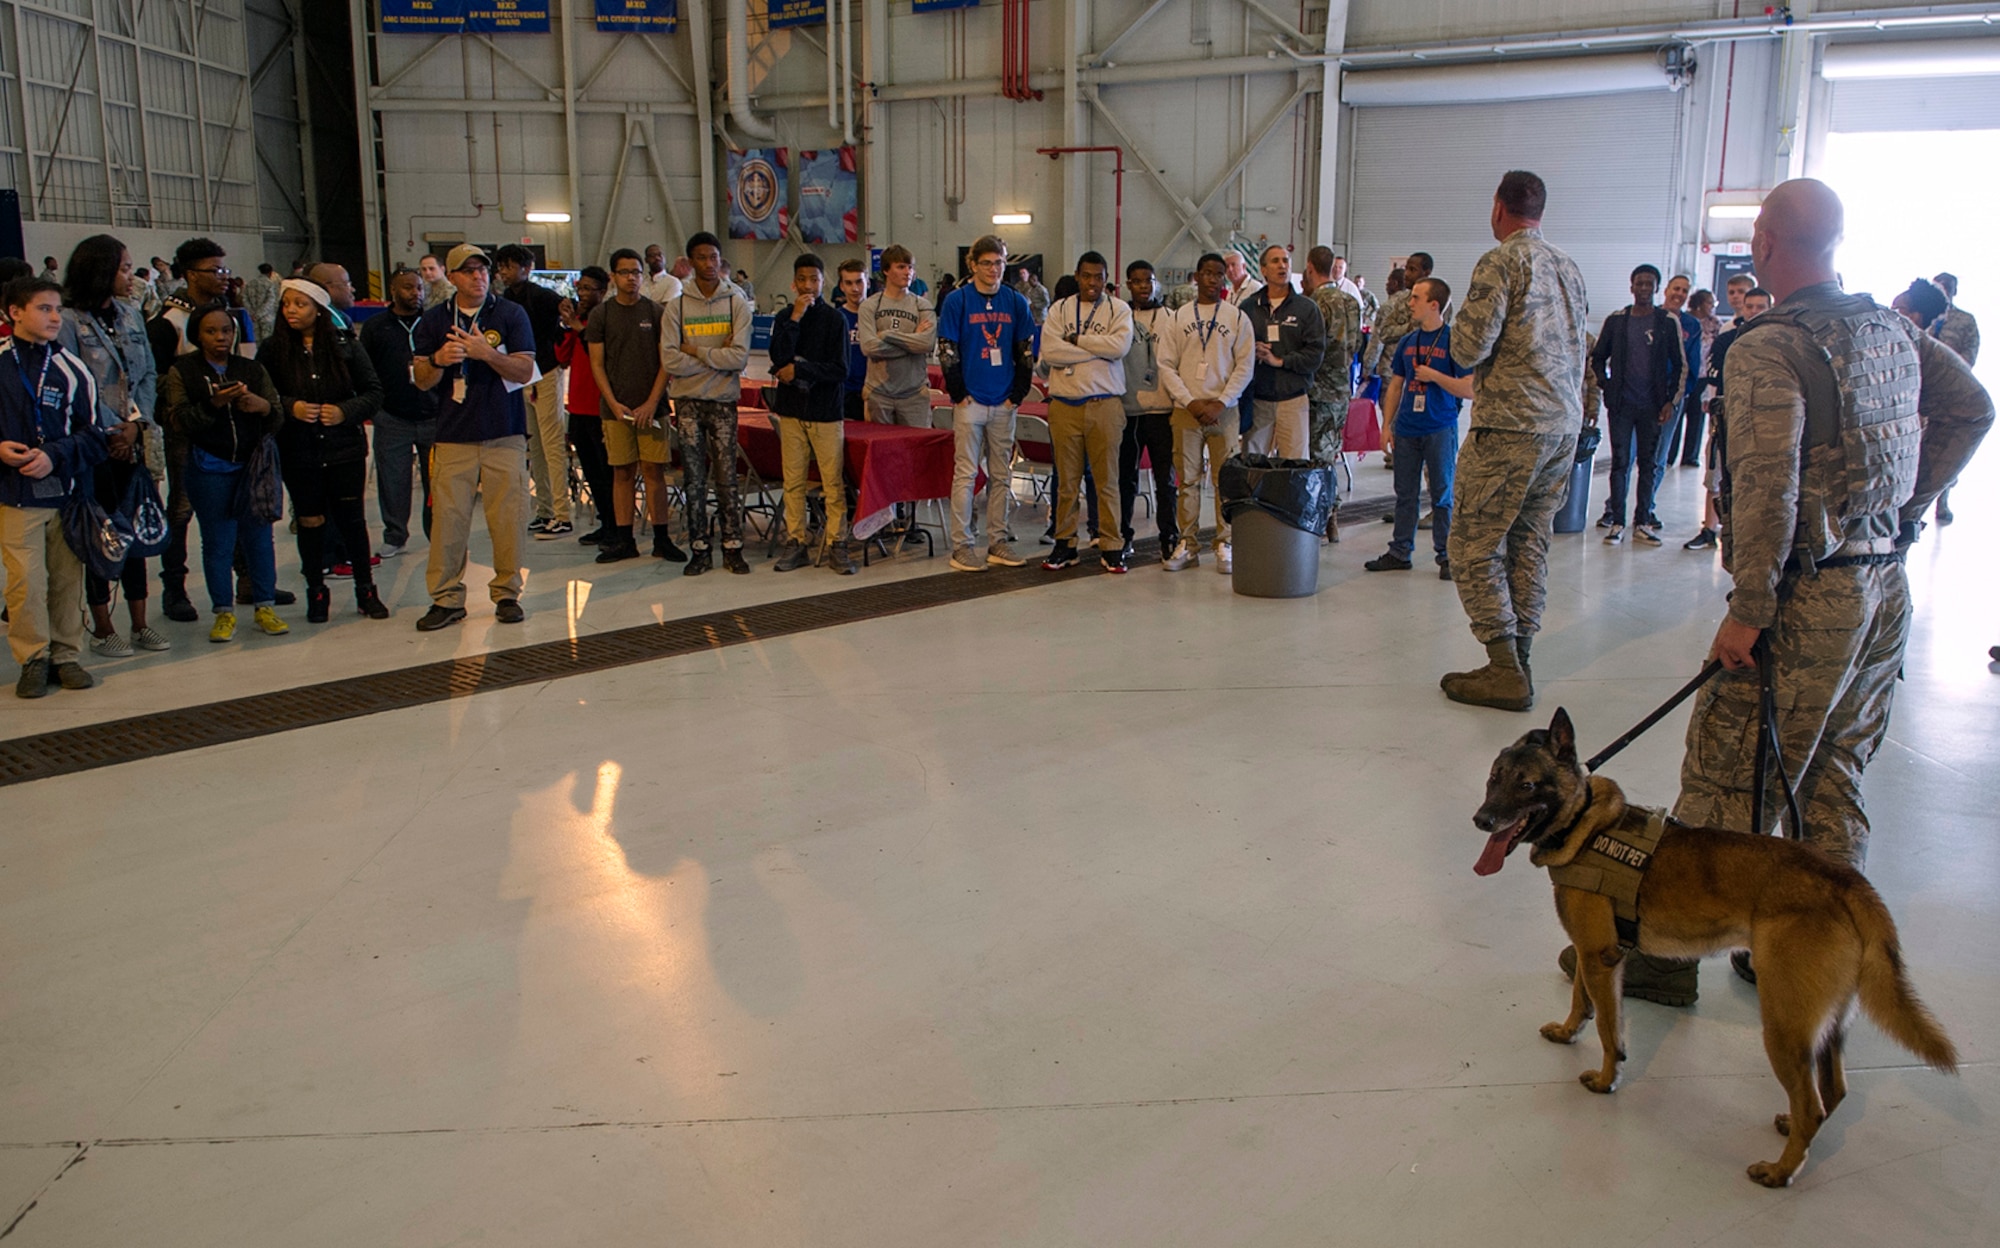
[1118,219]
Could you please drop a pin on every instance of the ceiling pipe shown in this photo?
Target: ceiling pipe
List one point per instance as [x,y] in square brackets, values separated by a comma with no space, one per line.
[739,73]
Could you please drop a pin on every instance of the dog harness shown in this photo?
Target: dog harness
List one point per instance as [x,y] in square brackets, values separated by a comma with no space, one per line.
[1613,865]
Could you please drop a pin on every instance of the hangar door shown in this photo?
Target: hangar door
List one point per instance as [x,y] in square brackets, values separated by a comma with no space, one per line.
[1423,177]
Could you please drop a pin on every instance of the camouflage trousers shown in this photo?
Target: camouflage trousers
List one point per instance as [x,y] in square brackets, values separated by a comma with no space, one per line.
[1837,648]
[1325,430]
[1505,495]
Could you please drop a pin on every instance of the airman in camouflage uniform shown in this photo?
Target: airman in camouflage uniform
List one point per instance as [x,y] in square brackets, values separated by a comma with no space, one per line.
[1332,385]
[1521,330]
[1959,330]
[1820,580]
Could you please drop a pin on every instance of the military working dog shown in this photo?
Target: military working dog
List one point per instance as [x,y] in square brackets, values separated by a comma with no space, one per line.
[1817,931]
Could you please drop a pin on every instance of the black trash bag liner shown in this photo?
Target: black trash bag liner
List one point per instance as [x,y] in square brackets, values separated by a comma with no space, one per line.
[1296,491]
[1587,442]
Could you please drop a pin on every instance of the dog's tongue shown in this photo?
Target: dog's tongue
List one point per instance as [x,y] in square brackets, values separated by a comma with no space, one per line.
[1494,856]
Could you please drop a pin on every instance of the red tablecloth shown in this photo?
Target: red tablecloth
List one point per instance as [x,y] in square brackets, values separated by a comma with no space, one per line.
[887,464]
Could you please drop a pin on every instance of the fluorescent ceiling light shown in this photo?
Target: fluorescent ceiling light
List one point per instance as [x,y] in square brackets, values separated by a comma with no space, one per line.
[549,218]
[1013,218]
[1734,212]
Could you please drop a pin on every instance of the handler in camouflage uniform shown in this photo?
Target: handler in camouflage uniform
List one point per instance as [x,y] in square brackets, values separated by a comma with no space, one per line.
[1959,330]
[1521,330]
[1333,385]
[1842,425]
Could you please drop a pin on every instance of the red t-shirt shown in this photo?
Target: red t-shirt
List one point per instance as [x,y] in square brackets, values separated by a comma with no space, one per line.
[574,354]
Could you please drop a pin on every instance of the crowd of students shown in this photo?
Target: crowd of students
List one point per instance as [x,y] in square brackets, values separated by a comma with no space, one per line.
[235,395]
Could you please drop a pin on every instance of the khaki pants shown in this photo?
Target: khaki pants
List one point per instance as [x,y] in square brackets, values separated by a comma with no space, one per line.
[548,447]
[913,410]
[44,586]
[1092,428]
[498,471]
[805,442]
[1191,438]
[1278,427]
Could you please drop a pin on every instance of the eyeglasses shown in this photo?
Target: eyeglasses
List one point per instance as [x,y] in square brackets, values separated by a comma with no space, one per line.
[219,272]
[989,263]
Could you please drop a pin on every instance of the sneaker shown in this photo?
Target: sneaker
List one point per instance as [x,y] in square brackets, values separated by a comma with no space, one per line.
[732,558]
[1739,961]
[664,548]
[966,561]
[34,682]
[1614,535]
[596,537]
[439,616]
[1707,539]
[268,620]
[1225,561]
[616,550]
[343,571]
[1605,521]
[1184,556]
[1389,519]
[111,646]
[148,638]
[697,563]
[388,550]
[508,611]
[538,524]
[177,606]
[1444,569]
[1063,556]
[1114,561]
[1002,554]
[72,676]
[553,530]
[841,560]
[1389,562]
[1647,534]
[224,628]
[796,556]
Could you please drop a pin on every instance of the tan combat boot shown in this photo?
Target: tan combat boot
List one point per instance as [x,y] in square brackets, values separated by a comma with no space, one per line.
[1501,684]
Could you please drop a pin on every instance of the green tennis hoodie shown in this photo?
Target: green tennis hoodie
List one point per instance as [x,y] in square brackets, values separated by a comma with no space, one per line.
[717,327]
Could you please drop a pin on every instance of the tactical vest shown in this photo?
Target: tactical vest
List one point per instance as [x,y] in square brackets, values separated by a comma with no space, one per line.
[1613,865]
[1876,375]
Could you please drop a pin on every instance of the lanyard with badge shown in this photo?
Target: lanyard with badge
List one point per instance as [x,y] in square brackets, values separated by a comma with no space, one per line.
[1081,326]
[471,326]
[992,338]
[1206,333]
[1418,355]
[38,389]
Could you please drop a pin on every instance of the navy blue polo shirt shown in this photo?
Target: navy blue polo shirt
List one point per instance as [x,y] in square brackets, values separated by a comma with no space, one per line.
[488,410]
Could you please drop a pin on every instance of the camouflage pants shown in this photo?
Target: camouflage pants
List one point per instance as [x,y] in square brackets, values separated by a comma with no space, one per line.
[708,447]
[1505,495]
[1837,646]
[1326,427]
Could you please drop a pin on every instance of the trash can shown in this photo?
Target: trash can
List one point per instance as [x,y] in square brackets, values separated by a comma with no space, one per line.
[1575,511]
[1277,511]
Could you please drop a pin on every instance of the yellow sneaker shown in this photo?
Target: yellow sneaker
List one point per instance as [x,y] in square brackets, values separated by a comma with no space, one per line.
[224,628]
[268,620]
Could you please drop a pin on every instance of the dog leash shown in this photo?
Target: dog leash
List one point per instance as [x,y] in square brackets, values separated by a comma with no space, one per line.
[1768,747]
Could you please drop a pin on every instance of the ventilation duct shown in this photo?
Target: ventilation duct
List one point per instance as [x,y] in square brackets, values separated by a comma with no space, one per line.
[1485,83]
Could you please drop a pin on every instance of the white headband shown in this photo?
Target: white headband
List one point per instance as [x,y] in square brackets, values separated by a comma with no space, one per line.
[311,290]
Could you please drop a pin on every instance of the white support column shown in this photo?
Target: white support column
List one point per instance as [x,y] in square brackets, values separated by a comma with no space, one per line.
[372,230]
[1075,233]
[874,124]
[568,85]
[1795,71]
[1327,194]
[702,49]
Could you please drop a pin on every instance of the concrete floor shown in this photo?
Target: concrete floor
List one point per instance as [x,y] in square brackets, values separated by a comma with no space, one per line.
[1125,911]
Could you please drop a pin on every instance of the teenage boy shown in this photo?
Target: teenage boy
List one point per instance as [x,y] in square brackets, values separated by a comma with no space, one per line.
[1206,360]
[584,402]
[1642,370]
[49,438]
[1085,339]
[623,336]
[477,351]
[853,290]
[898,333]
[406,425]
[705,344]
[1424,391]
[809,361]
[986,343]
[1149,413]
[1755,302]
[548,432]
[1687,421]
[1291,342]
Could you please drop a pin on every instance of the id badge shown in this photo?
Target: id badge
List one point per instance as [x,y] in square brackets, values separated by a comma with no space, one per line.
[1417,404]
[993,356]
[458,390]
[1271,334]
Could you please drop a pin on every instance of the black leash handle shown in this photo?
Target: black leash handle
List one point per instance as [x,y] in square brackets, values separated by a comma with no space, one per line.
[1687,691]
[1768,744]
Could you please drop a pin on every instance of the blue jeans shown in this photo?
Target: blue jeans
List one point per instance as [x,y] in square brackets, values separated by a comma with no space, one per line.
[1435,454]
[1635,445]
[213,495]
[397,442]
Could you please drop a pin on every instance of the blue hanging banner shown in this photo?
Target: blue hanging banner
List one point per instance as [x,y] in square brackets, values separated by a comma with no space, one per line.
[940,6]
[783,13]
[456,17]
[660,17]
